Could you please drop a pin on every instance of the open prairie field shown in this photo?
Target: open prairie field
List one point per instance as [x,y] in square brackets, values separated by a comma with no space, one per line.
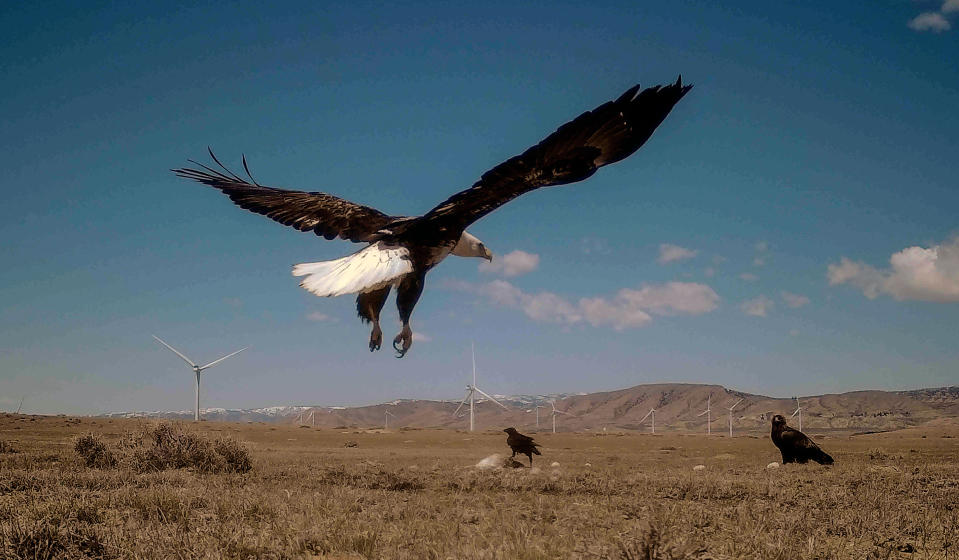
[346,493]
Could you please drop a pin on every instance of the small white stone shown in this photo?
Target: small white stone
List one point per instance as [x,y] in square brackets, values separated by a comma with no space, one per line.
[773,465]
[588,465]
[699,468]
[494,461]
[554,464]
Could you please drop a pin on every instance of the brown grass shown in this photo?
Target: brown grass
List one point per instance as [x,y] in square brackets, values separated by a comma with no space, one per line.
[416,494]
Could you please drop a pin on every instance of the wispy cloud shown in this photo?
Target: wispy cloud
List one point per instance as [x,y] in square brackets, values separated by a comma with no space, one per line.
[421,337]
[594,245]
[794,300]
[512,264]
[628,308]
[757,307]
[317,316]
[930,21]
[935,22]
[669,253]
[748,277]
[915,273]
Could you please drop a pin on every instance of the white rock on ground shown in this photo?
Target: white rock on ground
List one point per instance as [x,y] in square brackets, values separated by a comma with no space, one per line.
[554,464]
[494,461]
[699,468]
[773,465]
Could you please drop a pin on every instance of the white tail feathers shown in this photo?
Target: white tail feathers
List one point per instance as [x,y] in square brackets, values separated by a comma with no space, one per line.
[368,269]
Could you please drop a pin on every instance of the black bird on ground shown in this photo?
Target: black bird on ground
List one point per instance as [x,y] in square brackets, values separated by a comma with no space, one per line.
[795,446]
[400,250]
[524,445]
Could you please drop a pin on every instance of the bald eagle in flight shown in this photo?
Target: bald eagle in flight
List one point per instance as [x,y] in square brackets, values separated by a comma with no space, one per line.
[400,250]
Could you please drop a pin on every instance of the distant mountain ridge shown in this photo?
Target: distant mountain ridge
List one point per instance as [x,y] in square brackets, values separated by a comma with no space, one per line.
[677,405]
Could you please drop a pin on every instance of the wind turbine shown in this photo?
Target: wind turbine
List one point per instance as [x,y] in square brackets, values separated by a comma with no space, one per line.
[386,423]
[731,416]
[197,370]
[537,407]
[555,412]
[799,412]
[471,391]
[708,415]
[652,412]
[19,406]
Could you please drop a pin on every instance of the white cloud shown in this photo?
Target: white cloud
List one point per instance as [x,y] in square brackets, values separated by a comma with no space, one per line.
[757,307]
[748,277]
[672,298]
[669,253]
[512,264]
[761,246]
[950,6]
[795,300]
[317,316]
[759,261]
[421,337]
[709,272]
[629,308]
[915,273]
[931,21]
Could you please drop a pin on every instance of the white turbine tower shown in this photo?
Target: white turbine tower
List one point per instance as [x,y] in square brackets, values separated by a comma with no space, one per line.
[471,391]
[386,423]
[197,370]
[799,412]
[708,415]
[652,412]
[731,416]
[537,407]
[555,412]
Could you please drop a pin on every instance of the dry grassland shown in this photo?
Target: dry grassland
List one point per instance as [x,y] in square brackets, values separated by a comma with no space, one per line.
[417,494]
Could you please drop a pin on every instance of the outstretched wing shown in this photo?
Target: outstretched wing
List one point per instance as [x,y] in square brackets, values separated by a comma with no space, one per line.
[605,135]
[321,213]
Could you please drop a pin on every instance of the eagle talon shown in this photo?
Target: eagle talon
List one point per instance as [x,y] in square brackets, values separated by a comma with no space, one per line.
[405,338]
[376,339]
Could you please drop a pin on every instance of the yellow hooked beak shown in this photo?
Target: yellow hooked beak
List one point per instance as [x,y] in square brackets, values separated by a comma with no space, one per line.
[487,254]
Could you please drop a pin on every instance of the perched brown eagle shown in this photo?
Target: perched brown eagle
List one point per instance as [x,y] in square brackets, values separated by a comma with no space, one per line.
[524,445]
[402,249]
[795,446]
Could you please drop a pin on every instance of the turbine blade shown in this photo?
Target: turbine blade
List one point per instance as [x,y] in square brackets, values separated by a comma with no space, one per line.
[461,404]
[215,362]
[647,416]
[735,403]
[703,412]
[480,391]
[177,352]
[794,413]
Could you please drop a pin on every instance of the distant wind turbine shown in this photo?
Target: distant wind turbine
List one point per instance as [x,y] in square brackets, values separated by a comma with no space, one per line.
[471,391]
[386,423]
[537,407]
[197,370]
[19,406]
[652,412]
[799,412]
[708,415]
[555,412]
[731,416]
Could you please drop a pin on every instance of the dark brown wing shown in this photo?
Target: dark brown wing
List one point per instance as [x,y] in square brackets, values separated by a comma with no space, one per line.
[605,135]
[801,447]
[518,441]
[321,213]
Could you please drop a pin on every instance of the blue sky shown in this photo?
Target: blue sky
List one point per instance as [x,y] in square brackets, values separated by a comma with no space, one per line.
[790,228]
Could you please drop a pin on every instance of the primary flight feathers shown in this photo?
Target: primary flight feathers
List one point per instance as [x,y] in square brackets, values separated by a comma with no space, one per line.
[605,135]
